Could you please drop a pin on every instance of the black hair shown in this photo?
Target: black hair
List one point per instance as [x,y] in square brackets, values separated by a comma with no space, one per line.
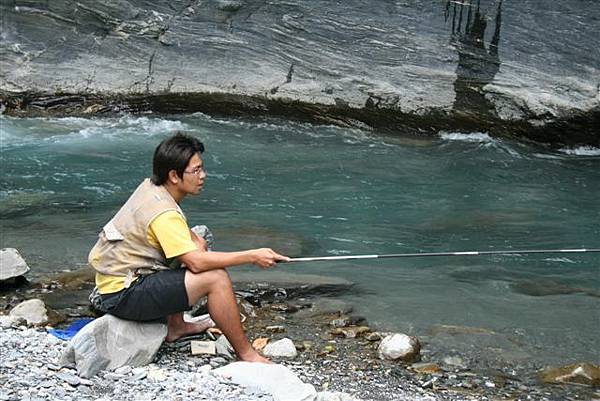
[174,153]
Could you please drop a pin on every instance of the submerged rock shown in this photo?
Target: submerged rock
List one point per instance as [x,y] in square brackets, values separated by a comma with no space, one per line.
[426,368]
[341,321]
[400,346]
[455,330]
[454,362]
[580,373]
[12,264]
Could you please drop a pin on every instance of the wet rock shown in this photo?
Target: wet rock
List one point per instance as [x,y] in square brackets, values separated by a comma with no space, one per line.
[282,284]
[76,279]
[542,288]
[358,320]
[374,336]
[273,379]
[283,348]
[95,108]
[400,346]
[580,373]
[454,362]
[110,342]
[350,332]
[33,311]
[12,264]
[426,368]
[341,321]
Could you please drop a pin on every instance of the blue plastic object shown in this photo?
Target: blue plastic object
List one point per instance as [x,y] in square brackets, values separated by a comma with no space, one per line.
[69,332]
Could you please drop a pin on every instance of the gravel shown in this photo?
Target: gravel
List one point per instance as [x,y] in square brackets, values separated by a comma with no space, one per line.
[29,371]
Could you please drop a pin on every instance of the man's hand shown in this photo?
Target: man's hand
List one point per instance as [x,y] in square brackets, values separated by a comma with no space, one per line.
[266,257]
[199,241]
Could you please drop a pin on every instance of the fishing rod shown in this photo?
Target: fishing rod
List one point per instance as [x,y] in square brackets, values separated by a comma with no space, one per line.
[428,254]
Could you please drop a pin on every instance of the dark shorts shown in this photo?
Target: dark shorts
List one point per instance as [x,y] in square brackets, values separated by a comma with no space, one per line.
[151,298]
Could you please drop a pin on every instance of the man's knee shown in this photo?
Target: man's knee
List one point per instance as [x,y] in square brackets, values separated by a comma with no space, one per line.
[220,277]
[211,278]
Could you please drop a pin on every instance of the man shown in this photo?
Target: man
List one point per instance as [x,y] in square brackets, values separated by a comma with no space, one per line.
[137,246]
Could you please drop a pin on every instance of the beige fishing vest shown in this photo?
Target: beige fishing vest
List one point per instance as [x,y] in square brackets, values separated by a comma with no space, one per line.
[123,248]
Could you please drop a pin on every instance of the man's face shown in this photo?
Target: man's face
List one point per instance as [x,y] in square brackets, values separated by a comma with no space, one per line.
[193,175]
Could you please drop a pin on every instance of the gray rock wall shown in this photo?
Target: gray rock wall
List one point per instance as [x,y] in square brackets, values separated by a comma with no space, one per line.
[503,66]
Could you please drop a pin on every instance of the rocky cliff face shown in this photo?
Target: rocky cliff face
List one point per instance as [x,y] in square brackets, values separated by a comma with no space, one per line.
[527,68]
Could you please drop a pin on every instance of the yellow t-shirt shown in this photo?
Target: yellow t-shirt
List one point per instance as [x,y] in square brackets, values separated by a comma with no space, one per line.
[169,232]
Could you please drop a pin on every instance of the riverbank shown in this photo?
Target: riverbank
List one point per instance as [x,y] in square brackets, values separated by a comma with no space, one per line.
[578,128]
[333,354]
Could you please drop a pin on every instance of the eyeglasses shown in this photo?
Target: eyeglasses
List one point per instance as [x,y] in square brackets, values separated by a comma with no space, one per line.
[197,171]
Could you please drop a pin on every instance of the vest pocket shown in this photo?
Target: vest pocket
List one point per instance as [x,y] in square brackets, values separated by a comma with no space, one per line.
[111,232]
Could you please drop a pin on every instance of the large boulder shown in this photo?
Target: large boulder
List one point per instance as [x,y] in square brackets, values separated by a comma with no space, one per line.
[417,66]
[33,311]
[277,380]
[110,342]
[400,346]
[12,264]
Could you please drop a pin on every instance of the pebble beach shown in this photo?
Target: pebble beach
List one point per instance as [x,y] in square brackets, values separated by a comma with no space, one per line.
[337,353]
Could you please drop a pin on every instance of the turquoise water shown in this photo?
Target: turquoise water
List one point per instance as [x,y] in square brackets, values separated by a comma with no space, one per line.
[317,190]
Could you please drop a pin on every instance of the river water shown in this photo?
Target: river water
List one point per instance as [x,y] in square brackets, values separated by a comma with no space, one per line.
[318,190]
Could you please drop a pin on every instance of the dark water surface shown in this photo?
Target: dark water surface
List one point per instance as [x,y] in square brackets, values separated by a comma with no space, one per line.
[316,190]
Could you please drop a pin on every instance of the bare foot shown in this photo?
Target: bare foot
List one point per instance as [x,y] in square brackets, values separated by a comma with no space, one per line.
[186,329]
[253,356]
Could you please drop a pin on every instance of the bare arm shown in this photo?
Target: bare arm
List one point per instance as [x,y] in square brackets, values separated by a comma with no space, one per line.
[198,261]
